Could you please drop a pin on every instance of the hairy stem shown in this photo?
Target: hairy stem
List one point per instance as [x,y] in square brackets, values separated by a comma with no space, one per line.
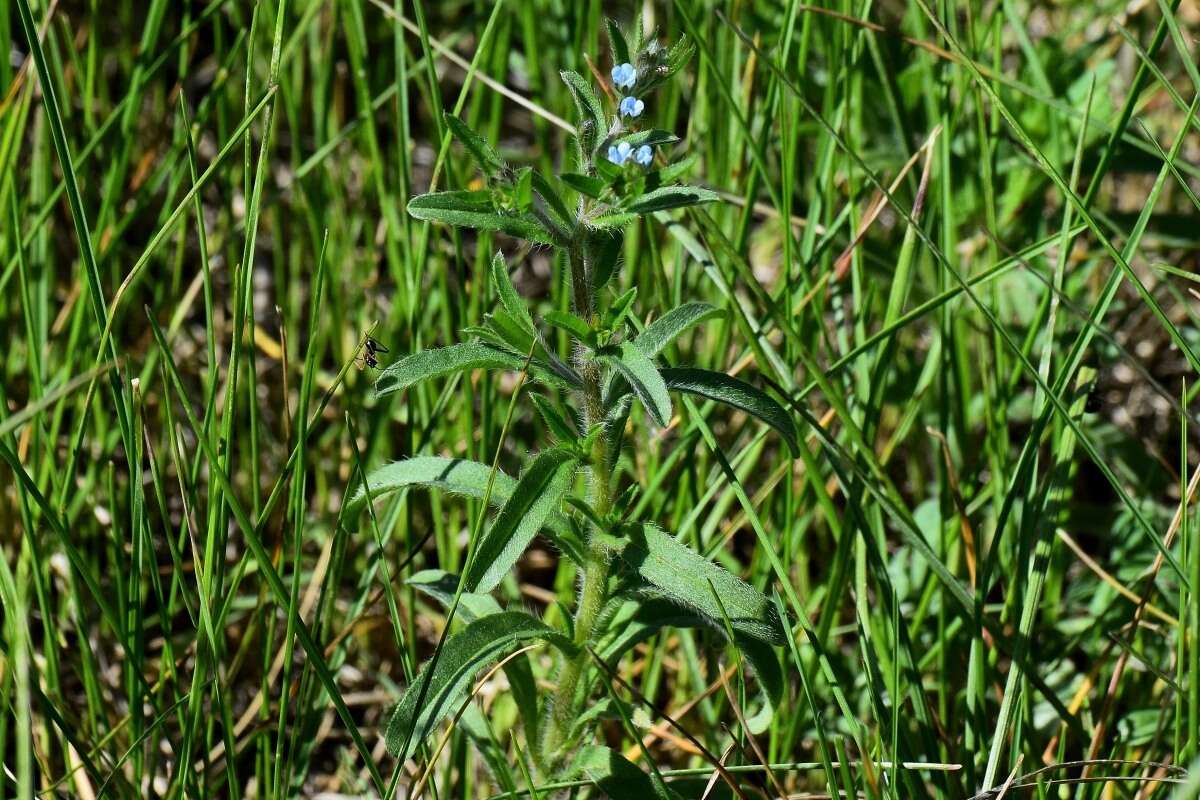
[594,591]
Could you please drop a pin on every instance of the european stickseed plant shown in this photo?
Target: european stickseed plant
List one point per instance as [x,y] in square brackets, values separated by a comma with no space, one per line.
[635,577]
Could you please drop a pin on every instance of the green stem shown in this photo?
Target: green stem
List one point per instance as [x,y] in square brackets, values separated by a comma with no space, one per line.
[594,592]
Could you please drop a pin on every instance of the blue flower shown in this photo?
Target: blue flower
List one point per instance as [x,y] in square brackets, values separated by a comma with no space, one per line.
[631,107]
[644,155]
[619,153]
[624,75]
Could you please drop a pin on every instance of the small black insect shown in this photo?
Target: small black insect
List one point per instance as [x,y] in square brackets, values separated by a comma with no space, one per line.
[371,349]
[374,347]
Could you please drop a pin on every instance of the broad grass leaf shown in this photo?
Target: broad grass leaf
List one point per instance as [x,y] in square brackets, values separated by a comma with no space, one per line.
[618,777]
[733,392]
[434,696]
[489,161]
[684,576]
[668,197]
[641,373]
[536,495]
[461,477]
[475,209]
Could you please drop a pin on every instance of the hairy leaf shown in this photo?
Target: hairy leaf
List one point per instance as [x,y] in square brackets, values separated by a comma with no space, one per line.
[585,184]
[688,578]
[489,161]
[556,422]
[441,586]
[616,41]
[585,99]
[618,777]
[471,209]
[606,249]
[434,696]
[553,200]
[667,197]
[426,364]
[508,293]
[535,496]
[651,137]
[665,329]
[733,392]
[565,320]
[458,476]
[637,368]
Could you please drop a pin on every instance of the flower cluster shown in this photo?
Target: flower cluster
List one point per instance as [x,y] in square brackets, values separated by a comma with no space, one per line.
[620,153]
[624,76]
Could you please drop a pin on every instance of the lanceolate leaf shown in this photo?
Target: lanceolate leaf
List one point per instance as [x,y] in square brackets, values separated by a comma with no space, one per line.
[432,697]
[458,476]
[739,394]
[589,105]
[441,586]
[485,156]
[585,184]
[508,293]
[671,197]
[606,249]
[616,40]
[618,777]
[537,494]
[650,137]
[426,364]
[475,210]
[665,329]
[556,422]
[637,368]
[549,194]
[684,576]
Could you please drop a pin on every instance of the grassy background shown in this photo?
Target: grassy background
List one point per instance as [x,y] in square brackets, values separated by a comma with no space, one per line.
[958,236]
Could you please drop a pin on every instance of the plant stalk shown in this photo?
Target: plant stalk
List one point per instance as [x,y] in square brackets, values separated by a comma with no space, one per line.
[594,592]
